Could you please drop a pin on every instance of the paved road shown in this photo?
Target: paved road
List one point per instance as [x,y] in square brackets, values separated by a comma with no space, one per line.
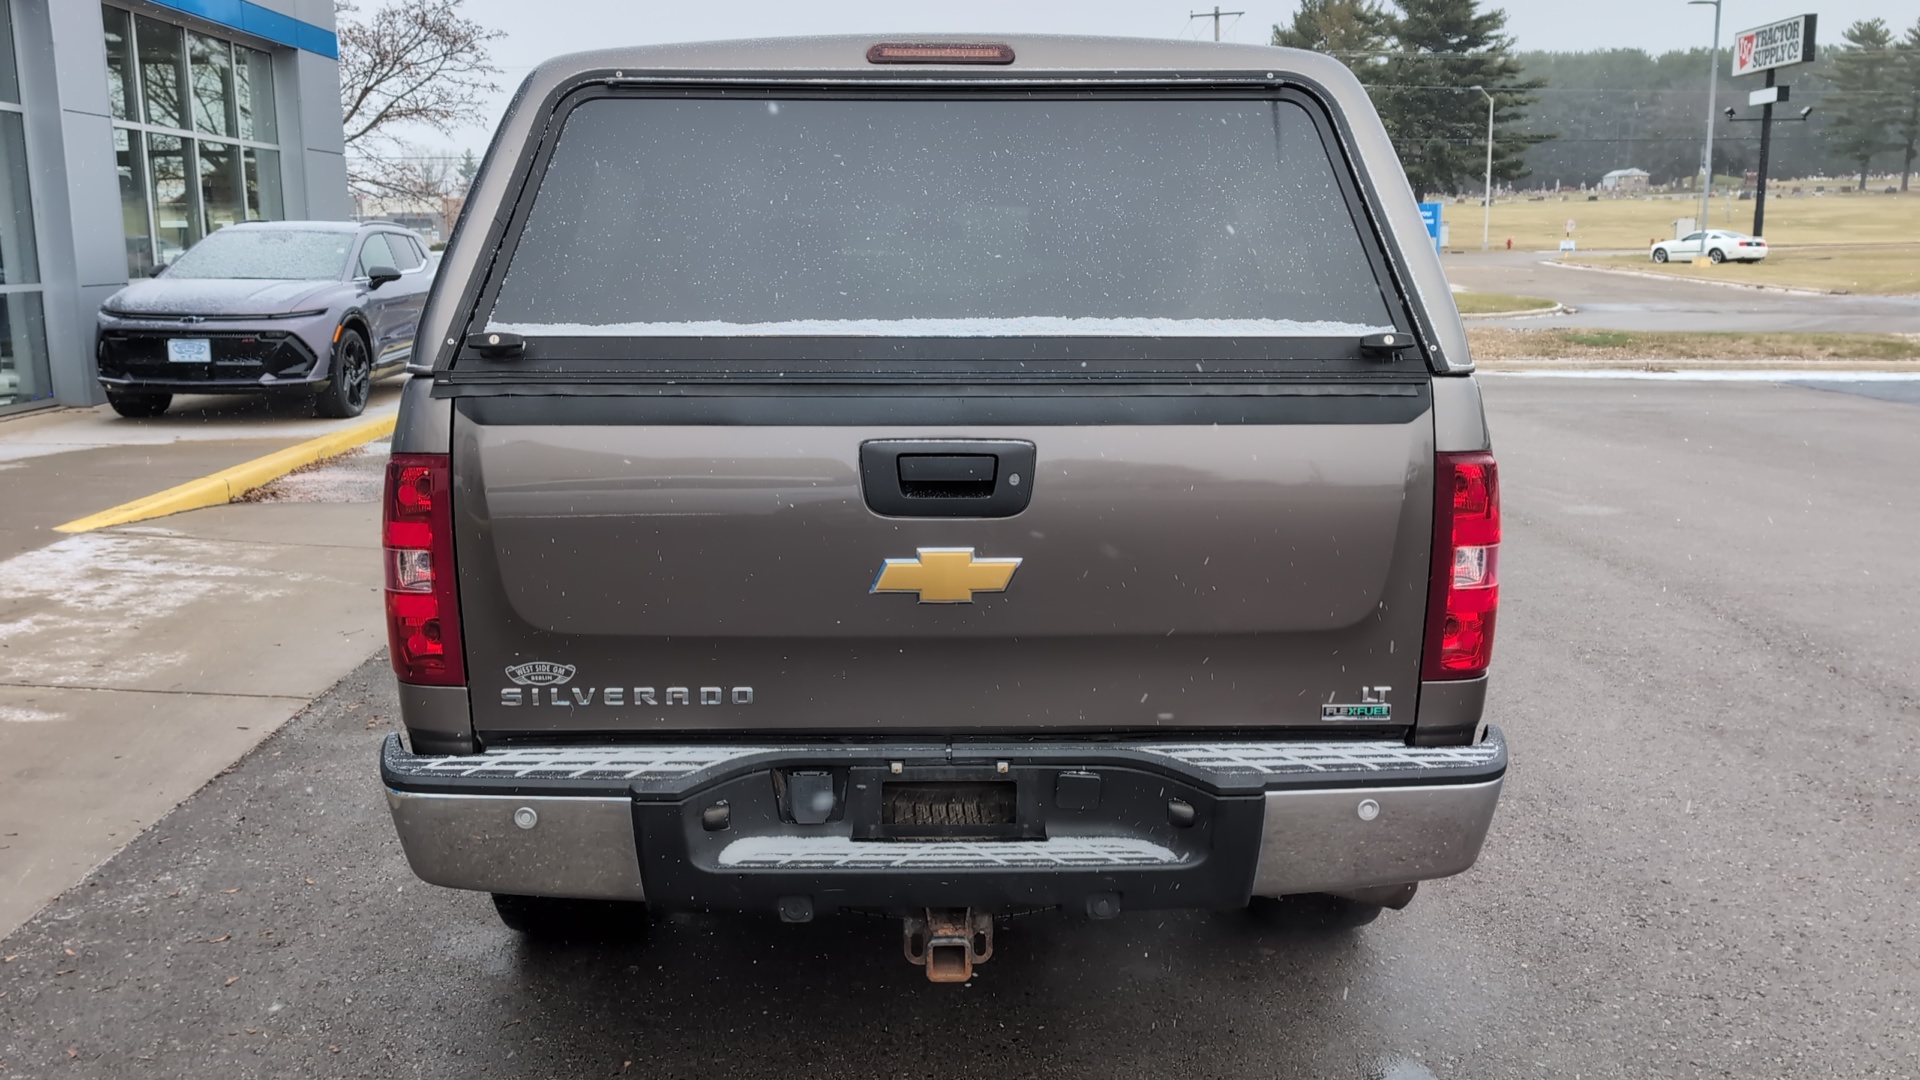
[1704,866]
[1625,302]
[1904,390]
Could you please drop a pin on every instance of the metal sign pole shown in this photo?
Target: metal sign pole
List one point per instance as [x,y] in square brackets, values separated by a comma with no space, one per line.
[1760,187]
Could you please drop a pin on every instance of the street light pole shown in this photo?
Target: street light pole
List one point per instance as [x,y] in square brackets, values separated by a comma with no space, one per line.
[1486,212]
[1713,88]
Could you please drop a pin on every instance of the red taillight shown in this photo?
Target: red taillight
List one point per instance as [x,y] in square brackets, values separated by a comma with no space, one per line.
[423,609]
[1464,593]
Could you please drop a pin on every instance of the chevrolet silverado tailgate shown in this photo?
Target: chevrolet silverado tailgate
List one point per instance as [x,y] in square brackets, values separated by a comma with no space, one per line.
[923,410]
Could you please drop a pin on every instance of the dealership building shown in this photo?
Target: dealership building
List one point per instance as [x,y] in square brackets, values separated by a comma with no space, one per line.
[128,131]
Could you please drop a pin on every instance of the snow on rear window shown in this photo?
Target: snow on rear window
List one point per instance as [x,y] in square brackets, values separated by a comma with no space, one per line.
[962,218]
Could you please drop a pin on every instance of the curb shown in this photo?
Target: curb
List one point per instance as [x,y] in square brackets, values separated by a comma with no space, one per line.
[1523,313]
[218,489]
[1657,276]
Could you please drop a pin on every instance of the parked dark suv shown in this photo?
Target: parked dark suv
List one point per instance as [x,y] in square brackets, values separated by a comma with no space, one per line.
[319,308]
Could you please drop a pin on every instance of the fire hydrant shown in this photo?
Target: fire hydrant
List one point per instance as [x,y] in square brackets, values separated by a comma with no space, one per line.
[1509,243]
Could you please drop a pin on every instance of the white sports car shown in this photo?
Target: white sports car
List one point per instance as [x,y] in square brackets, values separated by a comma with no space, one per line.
[1716,244]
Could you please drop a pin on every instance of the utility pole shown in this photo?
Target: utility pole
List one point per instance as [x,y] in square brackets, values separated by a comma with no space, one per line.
[1215,15]
[1486,214]
[1713,87]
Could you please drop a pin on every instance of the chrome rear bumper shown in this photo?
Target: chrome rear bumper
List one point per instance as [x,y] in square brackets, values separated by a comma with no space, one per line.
[1278,818]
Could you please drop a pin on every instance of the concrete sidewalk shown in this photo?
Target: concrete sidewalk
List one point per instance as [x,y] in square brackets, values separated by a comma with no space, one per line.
[137,662]
[64,464]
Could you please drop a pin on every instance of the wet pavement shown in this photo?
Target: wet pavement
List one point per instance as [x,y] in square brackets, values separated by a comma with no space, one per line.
[1611,301]
[1903,391]
[1703,866]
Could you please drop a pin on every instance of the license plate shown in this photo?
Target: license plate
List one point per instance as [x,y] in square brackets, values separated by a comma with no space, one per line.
[196,350]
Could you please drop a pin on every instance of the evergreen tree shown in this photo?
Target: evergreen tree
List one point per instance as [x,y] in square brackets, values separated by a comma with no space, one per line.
[1867,106]
[468,167]
[1424,91]
[1909,130]
[1353,30]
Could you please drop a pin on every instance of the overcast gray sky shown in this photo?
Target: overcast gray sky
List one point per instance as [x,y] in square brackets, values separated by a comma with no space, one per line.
[542,28]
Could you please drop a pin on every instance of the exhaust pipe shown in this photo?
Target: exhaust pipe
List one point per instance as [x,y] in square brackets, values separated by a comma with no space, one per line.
[948,942]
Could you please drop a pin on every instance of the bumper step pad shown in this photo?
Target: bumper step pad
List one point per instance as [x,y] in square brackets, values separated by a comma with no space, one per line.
[844,853]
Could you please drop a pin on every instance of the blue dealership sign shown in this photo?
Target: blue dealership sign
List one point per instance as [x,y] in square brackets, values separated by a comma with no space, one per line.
[1430,216]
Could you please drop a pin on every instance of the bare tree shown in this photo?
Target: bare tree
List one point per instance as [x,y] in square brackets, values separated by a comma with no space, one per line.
[412,63]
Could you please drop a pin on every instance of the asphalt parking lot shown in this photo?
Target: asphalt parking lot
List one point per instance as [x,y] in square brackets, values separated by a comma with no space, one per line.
[1703,866]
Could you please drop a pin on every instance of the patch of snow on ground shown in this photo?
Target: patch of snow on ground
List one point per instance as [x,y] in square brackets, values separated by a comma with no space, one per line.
[356,476]
[85,611]
[11,714]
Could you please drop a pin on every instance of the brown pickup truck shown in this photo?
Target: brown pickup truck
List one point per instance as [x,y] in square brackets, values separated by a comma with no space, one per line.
[944,478]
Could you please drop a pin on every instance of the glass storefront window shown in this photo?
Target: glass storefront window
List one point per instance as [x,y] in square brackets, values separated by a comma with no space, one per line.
[19,255]
[130,159]
[9,69]
[23,323]
[253,86]
[163,72]
[222,193]
[194,128]
[263,186]
[175,229]
[23,350]
[120,80]
[211,64]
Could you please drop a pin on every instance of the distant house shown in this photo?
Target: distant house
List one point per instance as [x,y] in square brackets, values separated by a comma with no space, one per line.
[1625,180]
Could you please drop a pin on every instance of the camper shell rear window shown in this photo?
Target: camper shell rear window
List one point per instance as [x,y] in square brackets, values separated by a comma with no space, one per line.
[802,225]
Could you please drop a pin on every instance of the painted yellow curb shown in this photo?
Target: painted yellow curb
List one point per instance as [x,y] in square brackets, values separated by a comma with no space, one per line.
[226,485]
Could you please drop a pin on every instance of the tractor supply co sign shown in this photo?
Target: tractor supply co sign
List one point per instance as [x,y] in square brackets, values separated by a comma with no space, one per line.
[1789,41]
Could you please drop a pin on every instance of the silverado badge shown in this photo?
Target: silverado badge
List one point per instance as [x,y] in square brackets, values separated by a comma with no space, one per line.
[945,575]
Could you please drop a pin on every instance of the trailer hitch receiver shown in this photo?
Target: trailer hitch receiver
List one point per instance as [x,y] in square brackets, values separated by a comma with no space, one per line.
[948,942]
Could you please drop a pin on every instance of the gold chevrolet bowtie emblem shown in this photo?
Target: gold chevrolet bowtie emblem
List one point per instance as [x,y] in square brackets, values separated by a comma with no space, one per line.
[945,575]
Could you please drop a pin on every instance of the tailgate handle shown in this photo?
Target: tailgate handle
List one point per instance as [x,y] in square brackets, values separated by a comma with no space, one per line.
[947,477]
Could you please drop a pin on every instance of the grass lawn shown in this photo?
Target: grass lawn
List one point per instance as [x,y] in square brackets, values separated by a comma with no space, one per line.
[1635,222]
[1880,269]
[1486,303]
[1560,344]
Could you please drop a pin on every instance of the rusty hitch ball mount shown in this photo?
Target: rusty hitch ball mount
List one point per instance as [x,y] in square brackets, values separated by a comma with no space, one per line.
[948,942]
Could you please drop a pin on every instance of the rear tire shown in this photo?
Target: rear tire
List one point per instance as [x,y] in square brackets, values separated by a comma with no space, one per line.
[1316,911]
[346,395]
[1717,256]
[551,919]
[139,406]
[1659,255]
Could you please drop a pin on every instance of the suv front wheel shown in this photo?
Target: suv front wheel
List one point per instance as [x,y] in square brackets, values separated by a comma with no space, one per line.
[139,406]
[346,396]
